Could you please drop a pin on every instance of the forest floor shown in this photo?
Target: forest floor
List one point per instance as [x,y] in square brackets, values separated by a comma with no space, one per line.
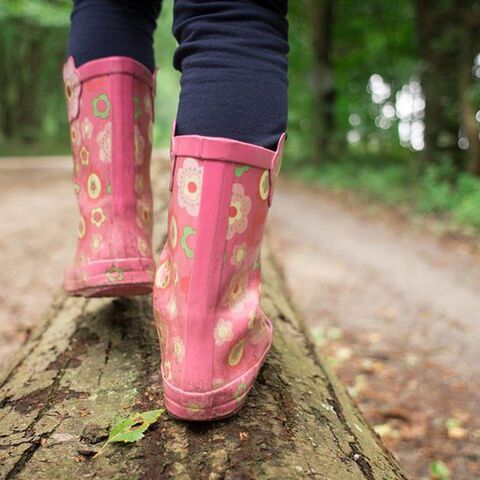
[394,308]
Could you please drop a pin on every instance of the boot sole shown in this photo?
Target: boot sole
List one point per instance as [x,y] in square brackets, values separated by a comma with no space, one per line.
[228,409]
[111,278]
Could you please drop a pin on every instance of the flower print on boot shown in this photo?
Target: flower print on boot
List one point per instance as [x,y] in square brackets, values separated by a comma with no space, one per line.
[111,150]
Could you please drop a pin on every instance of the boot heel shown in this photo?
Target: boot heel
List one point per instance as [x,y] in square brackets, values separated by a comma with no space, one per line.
[111,278]
[216,404]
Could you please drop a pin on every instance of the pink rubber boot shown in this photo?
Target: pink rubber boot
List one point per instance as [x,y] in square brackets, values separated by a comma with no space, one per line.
[110,109]
[213,334]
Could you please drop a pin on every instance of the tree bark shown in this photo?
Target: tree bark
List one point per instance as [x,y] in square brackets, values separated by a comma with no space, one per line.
[92,361]
[324,92]
[469,47]
[438,48]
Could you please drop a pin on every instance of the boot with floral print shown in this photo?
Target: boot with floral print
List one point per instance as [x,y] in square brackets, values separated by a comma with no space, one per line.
[110,110]
[213,334]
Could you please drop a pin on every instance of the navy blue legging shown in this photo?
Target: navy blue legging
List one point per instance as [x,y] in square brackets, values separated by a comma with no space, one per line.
[232,55]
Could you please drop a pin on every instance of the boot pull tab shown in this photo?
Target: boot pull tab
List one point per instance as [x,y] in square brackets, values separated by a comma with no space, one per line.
[73,88]
[275,167]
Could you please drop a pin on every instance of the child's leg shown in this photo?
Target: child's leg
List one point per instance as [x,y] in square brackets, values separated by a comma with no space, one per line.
[233,59]
[107,28]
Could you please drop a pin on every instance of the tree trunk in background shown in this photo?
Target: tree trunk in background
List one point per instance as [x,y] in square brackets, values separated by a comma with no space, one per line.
[438,36]
[321,17]
[469,47]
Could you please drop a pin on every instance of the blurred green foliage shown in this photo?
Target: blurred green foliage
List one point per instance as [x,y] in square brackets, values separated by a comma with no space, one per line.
[393,179]
[168,79]
[301,122]
[52,13]
[32,105]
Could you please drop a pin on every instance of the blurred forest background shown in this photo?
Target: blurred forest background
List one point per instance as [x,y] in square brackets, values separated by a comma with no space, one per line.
[384,97]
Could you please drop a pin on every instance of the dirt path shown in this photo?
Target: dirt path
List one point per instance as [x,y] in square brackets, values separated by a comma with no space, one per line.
[36,212]
[381,276]
[395,310]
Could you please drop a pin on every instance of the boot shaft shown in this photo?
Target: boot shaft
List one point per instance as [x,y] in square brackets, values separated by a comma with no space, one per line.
[111,111]
[207,286]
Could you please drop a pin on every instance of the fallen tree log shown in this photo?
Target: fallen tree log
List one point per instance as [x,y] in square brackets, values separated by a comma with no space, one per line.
[92,361]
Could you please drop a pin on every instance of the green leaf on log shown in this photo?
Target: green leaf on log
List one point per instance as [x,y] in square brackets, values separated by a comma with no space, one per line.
[132,428]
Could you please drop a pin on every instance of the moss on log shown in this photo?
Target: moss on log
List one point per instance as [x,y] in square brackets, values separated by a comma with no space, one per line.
[92,361]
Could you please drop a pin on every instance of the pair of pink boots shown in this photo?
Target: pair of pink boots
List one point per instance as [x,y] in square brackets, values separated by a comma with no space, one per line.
[206,288]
